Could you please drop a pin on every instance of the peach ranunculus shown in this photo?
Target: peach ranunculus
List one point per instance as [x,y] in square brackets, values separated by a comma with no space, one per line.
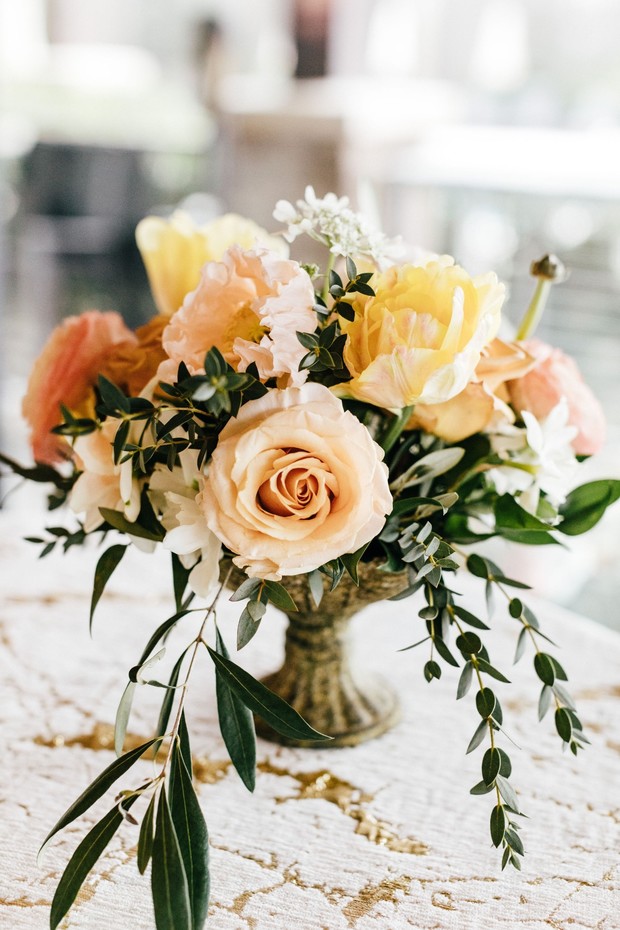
[132,365]
[175,250]
[294,482]
[65,373]
[250,306]
[418,340]
[102,483]
[484,400]
[554,376]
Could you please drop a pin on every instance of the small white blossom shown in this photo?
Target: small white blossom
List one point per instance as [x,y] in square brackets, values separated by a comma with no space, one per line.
[539,458]
[331,221]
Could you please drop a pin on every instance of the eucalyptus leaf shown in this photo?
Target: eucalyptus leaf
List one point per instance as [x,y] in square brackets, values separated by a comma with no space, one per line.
[498,824]
[105,566]
[486,667]
[236,725]
[544,702]
[169,885]
[279,596]
[283,718]
[315,581]
[491,762]
[521,643]
[82,861]
[246,589]
[507,792]
[193,839]
[99,787]
[479,734]
[247,625]
[465,680]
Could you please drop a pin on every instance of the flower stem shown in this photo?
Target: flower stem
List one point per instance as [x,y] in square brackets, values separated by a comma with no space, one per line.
[395,428]
[535,310]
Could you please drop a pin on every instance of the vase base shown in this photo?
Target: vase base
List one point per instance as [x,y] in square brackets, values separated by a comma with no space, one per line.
[376,712]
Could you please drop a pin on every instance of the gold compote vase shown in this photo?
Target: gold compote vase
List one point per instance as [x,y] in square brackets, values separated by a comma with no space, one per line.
[318,677]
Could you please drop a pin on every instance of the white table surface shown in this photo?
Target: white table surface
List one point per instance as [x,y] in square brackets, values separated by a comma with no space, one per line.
[381,836]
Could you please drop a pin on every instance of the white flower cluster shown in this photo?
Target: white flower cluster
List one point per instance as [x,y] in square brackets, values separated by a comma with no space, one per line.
[331,221]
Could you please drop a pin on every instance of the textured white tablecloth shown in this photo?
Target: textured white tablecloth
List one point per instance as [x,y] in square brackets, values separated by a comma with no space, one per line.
[384,835]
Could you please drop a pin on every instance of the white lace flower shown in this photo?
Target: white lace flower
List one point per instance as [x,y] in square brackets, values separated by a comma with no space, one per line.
[331,221]
[539,458]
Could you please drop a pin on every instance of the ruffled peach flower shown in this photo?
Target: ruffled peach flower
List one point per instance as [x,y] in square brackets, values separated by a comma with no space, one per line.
[484,400]
[294,482]
[65,373]
[554,376]
[250,306]
[132,365]
[102,483]
[175,250]
[418,341]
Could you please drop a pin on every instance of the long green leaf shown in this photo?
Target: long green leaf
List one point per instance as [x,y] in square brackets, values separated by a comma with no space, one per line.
[82,861]
[191,831]
[145,839]
[122,717]
[585,506]
[160,633]
[169,886]
[236,725]
[283,718]
[118,520]
[105,566]
[166,704]
[99,787]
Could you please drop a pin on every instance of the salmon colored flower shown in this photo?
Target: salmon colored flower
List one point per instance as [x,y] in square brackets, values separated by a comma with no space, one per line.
[554,376]
[65,373]
[294,482]
[250,306]
[131,365]
[484,400]
[419,339]
[175,250]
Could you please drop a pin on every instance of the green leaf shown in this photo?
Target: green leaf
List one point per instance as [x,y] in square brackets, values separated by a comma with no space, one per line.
[159,634]
[315,581]
[486,667]
[544,702]
[279,596]
[515,523]
[505,765]
[351,562]
[168,700]
[491,762]
[477,566]
[469,618]
[82,861]
[112,396]
[468,644]
[514,841]
[544,668]
[184,746]
[283,718]
[118,520]
[169,886]
[585,506]
[563,724]
[105,566]
[246,589]
[98,788]
[479,734]
[481,788]
[485,702]
[248,626]
[122,717]
[145,839]
[521,643]
[498,824]
[180,574]
[444,652]
[465,680]
[507,793]
[236,725]
[193,838]
[432,670]
[559,671]
[515,608]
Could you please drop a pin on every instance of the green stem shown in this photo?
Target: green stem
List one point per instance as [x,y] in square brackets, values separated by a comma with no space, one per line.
[535,310]
[395,428]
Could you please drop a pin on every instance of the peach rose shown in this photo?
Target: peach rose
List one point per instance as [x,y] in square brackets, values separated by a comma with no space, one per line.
[555,376]
[483,401]
[65,373]
[294,482]
[419,339]
[102,483]
[175,250]
[250,305]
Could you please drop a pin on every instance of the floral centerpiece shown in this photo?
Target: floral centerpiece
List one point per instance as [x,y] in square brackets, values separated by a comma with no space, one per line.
[314,439]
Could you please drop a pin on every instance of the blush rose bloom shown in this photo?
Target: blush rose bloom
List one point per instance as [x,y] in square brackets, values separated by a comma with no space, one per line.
[65,373]
[250,306]
[483,403]
[554,376]
[294,482]
[419,339]
[175,250]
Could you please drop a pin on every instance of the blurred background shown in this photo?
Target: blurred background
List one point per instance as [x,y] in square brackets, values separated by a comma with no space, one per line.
[489,129]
